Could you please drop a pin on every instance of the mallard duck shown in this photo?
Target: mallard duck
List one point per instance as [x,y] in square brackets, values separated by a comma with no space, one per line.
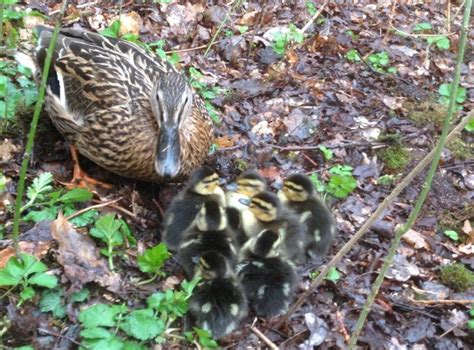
[203,184]
[269,280]
[209,232]
[299,194]
[129,112]
[268,213]
[218,303]
[238,196]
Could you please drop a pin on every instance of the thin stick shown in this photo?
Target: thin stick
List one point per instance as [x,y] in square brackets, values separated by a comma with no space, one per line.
[123,210]
[426,186]
[358,235]
[312,147]
[443,301]
[32,132]
[59,336]
[264,338]
[315,17]
[394,5]
[420,35]
[95,206]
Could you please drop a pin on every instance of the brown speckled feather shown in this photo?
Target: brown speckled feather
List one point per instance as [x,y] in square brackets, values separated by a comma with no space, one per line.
[103,104]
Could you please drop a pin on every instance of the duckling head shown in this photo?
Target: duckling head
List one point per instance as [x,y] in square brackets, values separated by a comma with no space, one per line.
[171,101]
[211,217]
[266,244]
[250,183]
[203,181]
[211,265]
[266,206]
[297,188]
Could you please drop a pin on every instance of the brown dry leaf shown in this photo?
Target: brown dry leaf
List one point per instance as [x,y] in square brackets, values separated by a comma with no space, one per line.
[249,18]
[80,258]
[171,282]
[129,23]
[416,239]
[7,149]
[292,57]
[37,249]
[272,173]
[5,255]
[467,229]
[226,141]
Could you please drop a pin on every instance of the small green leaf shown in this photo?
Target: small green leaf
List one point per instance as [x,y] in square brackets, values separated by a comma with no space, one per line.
[470,125]
[328,154]
[85,219]
[153,259]
[333,275]
[99,315]
[310,7]
[113,343]
[443,43]
[43,280]
[420,27]
[107,228]
[353,56]
[80,296]
[452,234]
[51,301]
[96,333]
[76,195]
[143,324]
[41,215]
[340,186]
[318,184]
[112,30]
[470,324]
[205,338]
[40,185]
[242,29]
[345,170]
[27,294]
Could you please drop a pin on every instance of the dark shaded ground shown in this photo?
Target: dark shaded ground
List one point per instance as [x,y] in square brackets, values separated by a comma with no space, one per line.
[314,96]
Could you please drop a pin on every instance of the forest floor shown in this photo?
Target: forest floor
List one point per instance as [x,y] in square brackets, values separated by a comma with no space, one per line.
[366,82]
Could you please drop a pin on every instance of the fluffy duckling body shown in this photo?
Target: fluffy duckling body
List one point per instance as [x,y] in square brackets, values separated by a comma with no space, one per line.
[268,213]
[245,187]
[298,193]
[218,303]
[209,232]
[203,185]
[269,280]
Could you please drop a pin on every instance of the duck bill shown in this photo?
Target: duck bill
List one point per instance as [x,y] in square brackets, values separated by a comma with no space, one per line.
[168,155]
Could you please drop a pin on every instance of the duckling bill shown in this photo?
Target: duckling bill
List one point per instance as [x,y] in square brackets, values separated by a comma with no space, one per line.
[203,185]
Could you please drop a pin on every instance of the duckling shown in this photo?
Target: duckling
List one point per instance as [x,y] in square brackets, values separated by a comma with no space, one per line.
[218,303]
[269,280]
[209,232]
[299,194]
[269,213]
[203,184]
[247,184]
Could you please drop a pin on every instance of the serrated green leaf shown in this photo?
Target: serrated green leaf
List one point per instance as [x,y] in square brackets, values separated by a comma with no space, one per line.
[27,293]
[205,338]
[96,333]
[153,259]
[131,345]
[143,324]
[452,234]
[99,315]
[84,219]
[76,195]
[155,300]
[80,296]
[43,280]
[422,26]
[333,275]
[42,215]
[51,301]
[340,186]
[328,154]
[112,30]
[345,170]
[107,228]
[40,185]
[114,343]
[443,43]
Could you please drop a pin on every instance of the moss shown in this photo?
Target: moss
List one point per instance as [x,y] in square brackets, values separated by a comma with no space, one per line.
[395,157]
[460,149]
[428,111]
[240,164]
[457,277]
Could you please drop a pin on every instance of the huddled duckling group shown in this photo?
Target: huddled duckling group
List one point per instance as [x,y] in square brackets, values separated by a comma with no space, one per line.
[244,244]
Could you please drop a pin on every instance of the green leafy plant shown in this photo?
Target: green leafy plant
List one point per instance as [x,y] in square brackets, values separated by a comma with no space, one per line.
[341,182]
[53,301]
[208,93]
[380,61]
[158,48]
[352,35]
[333,275]
[353,56]
[113,232]
[423,26]
[470,125]
[152,260]
[440,41]
[204,338]
[470,323]
[452,234]
[26,272]
[281,40]
[3,182]
[328,154]
[115,326]
[18,91]
[44,203]
[310,7]
[242,29]
[444,92]
[387,179]
[318,184]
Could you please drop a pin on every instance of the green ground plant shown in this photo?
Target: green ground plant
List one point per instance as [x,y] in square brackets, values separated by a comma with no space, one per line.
[341,182]
[281,41]
[395,157]
[457,277]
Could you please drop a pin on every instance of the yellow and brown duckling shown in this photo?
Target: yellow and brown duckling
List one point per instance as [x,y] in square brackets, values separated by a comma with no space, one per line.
[269,280]
[218,303]
[238,197]
[203,184]
[298,194]
[129,112]
[209,232]
[268,213]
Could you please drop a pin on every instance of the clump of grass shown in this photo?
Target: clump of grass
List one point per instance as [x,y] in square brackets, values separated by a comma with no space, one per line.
[428,111]
[395,157]
[460,149]
[457,277]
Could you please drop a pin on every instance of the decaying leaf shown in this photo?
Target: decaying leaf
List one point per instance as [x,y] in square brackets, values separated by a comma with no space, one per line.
[80,258]
[416,239]
[401,269]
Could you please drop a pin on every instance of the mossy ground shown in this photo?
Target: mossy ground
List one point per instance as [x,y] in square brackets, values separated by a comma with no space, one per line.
[460,149]
[428,111]
[395,157]
[457,277]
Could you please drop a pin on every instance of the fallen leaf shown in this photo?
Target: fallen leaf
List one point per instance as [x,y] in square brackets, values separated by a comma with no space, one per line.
[318,328]
[129,23]
[416,239]
[402,270]
[271,173]
[226,141]
[5,255]
[80,258]
[7,149]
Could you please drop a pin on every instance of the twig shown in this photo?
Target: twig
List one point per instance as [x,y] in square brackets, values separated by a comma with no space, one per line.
[443,301]
[160,209]
[123,210]
[315,17]
[313,147]
[421,35]
[259,24]
[34,125]
[426,186]
[340,320]
[394,5]
[95,206]
[358,235]
[264,338]
[54,334]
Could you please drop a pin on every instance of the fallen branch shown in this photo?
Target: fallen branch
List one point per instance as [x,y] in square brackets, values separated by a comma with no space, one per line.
[358,235]
[123,210]
[443,301]
[95,206]
[263,337]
